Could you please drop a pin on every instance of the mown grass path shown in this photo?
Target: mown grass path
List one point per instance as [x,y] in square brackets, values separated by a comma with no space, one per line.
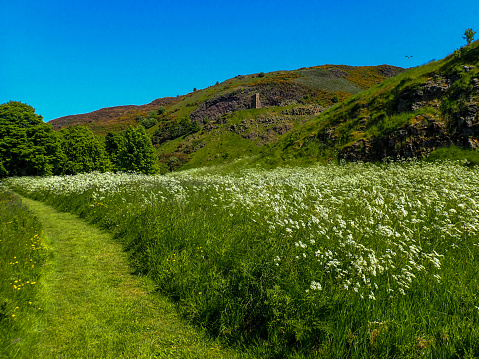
[95,308]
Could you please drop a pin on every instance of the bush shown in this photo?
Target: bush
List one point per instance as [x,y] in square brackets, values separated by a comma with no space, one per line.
[148,122]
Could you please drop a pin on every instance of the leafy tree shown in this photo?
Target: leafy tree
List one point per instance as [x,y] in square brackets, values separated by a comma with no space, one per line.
[469,35]
[114,142]
[161,110]
[84,152]
[136,152]
[28,146]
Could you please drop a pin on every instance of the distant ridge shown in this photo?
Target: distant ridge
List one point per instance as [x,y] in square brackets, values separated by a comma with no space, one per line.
[111,118]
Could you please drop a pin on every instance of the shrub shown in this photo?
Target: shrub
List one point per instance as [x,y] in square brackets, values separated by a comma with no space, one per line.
[148,122]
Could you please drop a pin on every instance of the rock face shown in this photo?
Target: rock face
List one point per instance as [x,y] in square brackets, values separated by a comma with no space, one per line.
[218,106]
[411,141]
[423,95]
[303,111]
[419,138]
[267,94]
[456,122]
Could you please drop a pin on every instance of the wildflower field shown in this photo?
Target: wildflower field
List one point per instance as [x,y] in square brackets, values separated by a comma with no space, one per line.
[336,261]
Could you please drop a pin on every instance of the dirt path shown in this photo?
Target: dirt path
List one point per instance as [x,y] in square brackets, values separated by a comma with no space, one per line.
[95,308]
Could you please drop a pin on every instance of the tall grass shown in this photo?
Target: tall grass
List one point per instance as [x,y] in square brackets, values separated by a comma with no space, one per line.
[337,261]
[21,257]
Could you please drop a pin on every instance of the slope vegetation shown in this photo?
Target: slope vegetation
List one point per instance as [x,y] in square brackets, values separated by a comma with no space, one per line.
[241,114]
[408,116]
[368,113]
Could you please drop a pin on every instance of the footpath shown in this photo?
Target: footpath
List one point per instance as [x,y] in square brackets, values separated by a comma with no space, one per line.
[94,307]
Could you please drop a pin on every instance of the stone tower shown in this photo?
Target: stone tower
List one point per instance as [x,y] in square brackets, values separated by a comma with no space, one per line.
[255,101]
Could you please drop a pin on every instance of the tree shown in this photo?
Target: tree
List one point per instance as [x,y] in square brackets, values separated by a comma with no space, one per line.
[137,152]
[114,142]
[469,35]
[84,152]
[28,146]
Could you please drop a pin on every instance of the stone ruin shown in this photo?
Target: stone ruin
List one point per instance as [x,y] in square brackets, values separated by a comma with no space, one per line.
[255,101]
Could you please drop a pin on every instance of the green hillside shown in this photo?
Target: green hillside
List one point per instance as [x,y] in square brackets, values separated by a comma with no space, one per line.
[410,115]
[317,114]
[221,122]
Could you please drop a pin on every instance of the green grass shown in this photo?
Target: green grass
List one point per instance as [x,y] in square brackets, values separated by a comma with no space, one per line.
[337,261]
[92,306]
[453,153]
[22,256]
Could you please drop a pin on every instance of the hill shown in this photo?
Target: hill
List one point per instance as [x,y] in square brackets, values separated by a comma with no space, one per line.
[245,113]
[111,118]
[368,113]
[408,116]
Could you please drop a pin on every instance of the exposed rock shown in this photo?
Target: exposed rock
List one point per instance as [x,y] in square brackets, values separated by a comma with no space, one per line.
[411,141]
[270,94]
[288,103]
[303,111]
[424,95]
[466,121]
[214,108]
[418,138]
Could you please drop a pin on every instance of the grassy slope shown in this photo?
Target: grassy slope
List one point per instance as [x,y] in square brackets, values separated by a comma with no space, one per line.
[94,307]
[373,113]
[222,146]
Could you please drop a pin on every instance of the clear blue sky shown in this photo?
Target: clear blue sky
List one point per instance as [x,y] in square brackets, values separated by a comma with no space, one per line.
[67,57]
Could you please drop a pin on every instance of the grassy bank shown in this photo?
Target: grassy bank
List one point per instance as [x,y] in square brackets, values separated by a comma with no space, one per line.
[22,255]
[348,261]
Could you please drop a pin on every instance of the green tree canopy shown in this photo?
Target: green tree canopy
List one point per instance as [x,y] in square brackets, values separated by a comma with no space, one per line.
[84,152]
[136,152]
[114,142]
[469,35]
[28,146]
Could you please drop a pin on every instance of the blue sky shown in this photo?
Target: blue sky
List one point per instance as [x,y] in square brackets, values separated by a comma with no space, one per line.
[67,57]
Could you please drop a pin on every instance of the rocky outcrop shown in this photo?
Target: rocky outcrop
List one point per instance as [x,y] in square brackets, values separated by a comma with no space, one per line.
[456,121]
[303,111]
[216,107]
[414,140]
[418,139]
[270,94]
[265,128]
[423,95]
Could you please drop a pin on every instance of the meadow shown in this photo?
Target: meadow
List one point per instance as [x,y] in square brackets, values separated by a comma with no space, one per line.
[335,261]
